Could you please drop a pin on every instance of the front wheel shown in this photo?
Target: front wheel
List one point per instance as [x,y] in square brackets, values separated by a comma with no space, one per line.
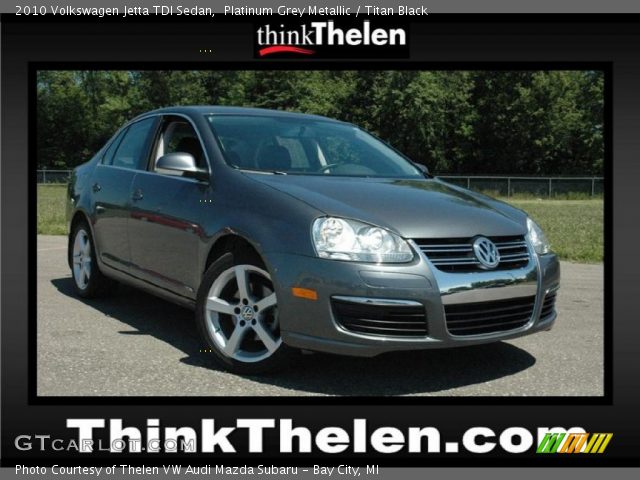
[237,315]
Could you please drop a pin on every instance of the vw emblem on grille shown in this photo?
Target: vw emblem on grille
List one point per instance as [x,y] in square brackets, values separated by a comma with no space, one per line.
[486,252]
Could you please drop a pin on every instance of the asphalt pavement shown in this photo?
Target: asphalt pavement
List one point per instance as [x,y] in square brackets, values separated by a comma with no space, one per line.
[134,344]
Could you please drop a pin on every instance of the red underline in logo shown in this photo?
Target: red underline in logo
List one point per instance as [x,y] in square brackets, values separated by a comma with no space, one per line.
[284,48]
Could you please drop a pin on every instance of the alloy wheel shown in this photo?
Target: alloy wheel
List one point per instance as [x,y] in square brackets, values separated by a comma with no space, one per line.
[81,259]
[241,314]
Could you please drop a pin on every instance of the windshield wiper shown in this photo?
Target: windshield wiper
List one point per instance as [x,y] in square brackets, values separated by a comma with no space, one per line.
[272,172]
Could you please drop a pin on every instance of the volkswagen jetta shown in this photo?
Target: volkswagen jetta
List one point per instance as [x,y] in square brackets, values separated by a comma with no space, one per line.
[290,232]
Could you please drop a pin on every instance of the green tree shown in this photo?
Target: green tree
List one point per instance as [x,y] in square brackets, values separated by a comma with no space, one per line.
[510,122]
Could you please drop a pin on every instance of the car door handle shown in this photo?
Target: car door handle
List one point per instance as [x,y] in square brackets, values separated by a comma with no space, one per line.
[137,195]
[96,187]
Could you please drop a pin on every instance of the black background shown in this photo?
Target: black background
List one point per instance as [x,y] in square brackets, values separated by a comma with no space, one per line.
[611,43]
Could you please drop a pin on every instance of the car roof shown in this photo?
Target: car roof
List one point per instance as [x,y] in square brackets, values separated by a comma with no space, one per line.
[192,110]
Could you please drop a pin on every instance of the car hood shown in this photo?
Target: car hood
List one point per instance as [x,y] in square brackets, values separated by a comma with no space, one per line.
[414,208]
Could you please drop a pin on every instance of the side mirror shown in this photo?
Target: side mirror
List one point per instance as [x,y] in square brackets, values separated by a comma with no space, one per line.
[423,168]
[182,164]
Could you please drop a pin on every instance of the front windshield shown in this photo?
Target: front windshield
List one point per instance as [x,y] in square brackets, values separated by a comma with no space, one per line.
[301,146]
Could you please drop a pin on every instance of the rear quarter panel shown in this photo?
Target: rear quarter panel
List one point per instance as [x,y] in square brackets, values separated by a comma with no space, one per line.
[78,189]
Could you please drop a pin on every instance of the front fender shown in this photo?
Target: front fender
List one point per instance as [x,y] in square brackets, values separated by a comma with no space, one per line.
[269,219]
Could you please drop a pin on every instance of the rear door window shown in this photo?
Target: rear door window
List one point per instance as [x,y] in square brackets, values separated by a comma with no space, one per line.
[133,147]
[108,155]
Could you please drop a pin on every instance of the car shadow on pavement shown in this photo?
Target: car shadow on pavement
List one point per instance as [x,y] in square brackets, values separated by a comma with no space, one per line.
[396,373]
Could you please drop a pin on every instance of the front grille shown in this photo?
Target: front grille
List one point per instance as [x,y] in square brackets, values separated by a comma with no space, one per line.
[456,254]
[549,304]
[489,317]
[381,320]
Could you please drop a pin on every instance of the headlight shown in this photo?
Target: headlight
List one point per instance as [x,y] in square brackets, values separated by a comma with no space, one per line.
[537,237]
[341,239]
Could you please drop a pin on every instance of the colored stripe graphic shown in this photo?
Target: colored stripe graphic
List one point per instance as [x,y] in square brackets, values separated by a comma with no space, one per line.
[550,443]
[283,49]
[574,443]
[598,442]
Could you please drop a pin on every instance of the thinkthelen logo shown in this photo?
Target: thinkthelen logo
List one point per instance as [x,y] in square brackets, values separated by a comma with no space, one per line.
[329,40]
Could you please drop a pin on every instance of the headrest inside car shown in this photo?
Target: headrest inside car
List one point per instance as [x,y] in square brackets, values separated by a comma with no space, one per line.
[191,145]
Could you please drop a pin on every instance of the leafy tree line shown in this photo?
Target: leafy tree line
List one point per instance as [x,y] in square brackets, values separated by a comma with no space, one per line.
[467,122]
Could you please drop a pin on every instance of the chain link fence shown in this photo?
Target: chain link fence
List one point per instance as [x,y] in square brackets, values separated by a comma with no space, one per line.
[52,176]
[543,187]
[503,186]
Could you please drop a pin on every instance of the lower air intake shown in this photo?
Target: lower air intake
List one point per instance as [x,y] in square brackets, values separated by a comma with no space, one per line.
[489,317]
[381,320]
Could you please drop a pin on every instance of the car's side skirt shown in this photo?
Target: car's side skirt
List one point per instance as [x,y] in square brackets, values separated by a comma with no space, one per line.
[136,282]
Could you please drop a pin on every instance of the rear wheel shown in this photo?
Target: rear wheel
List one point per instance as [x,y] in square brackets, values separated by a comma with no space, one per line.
[88,280]
[237,315]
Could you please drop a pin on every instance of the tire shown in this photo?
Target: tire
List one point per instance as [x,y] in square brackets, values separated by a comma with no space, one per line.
[88,280]
[239,321]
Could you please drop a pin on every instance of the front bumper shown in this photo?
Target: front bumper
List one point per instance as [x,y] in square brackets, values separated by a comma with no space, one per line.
[312,325]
